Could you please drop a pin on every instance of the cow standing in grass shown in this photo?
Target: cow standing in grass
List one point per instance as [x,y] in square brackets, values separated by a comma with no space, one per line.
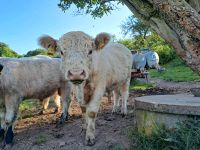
[34,77]
[93,66]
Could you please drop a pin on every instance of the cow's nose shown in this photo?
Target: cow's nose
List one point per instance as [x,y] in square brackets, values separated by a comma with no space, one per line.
[76,76]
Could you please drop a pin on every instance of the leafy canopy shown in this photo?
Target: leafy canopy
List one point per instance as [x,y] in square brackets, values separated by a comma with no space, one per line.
[5,51]
[36,52]
[134,27]
[153,41]
[96,8]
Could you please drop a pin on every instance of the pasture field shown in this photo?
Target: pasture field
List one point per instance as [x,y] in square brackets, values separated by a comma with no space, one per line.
[176,70]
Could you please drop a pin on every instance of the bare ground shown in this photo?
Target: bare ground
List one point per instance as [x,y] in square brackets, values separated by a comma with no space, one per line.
[40,132]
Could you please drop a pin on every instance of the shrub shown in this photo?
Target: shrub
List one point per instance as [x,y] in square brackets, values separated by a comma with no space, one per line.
[166,52]
[155,42]
[5,51]
[184,137]
[36,52]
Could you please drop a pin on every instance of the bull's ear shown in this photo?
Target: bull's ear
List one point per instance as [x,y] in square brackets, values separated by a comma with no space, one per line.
[101,40]
[49,43]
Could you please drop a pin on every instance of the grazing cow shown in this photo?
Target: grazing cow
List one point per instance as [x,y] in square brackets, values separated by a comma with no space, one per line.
[146,59]
[93,66]
[34,77]
[152,59]
[139,62]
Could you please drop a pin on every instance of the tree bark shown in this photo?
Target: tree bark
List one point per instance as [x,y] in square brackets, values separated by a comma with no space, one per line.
[177,21]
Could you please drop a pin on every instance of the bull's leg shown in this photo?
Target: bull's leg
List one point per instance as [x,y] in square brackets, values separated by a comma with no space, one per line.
[110,94]
[9,135]
[57,102]
[66,99]
[116,98]
[12,106]
[45,104]
[84,124]
[91,113]
[124,90]
[2,126]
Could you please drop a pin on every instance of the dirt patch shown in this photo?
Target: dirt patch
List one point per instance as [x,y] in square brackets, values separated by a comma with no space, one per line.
[177,87]
[41,131]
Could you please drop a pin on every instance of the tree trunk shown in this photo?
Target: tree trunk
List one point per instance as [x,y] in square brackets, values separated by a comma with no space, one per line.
[177,21]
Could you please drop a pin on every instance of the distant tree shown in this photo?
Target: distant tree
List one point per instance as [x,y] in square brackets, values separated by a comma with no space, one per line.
[36,52]
[135,27]
[5,51]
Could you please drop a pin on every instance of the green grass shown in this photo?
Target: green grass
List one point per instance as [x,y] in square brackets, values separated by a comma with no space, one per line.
[138,85]
[177,71]
[185,137]
[27,104]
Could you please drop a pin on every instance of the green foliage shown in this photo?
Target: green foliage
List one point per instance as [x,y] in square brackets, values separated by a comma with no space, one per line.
[5,51]
[184,137]
[133,44]
[166,52]
[96,8]
[128,43]
[138,85]
[36,52]
[177,71]
[27,104]
[155,42]
[135,27]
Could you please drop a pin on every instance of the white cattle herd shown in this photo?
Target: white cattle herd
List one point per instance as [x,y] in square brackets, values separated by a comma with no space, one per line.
[88,67]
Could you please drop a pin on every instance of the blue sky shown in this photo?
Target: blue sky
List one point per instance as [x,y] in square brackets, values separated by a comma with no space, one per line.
[23,21]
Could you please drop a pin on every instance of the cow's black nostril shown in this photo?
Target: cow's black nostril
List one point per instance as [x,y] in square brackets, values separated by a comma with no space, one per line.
[83,73]
[69,73]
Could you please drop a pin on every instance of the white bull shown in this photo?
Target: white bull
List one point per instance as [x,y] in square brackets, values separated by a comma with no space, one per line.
[93,66]
[34,77]
[152,59]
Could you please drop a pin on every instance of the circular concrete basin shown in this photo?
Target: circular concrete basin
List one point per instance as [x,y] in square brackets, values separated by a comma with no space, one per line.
[166,110]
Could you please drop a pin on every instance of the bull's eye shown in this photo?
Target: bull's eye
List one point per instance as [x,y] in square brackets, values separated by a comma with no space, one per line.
[90,52]
[61,52]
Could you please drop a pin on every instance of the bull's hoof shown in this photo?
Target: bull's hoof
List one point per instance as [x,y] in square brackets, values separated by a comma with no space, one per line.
[64,118]
[57,110]
[2,132]
[90,141]
[1,68]
[9,136]
[116,110]
[42,112]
